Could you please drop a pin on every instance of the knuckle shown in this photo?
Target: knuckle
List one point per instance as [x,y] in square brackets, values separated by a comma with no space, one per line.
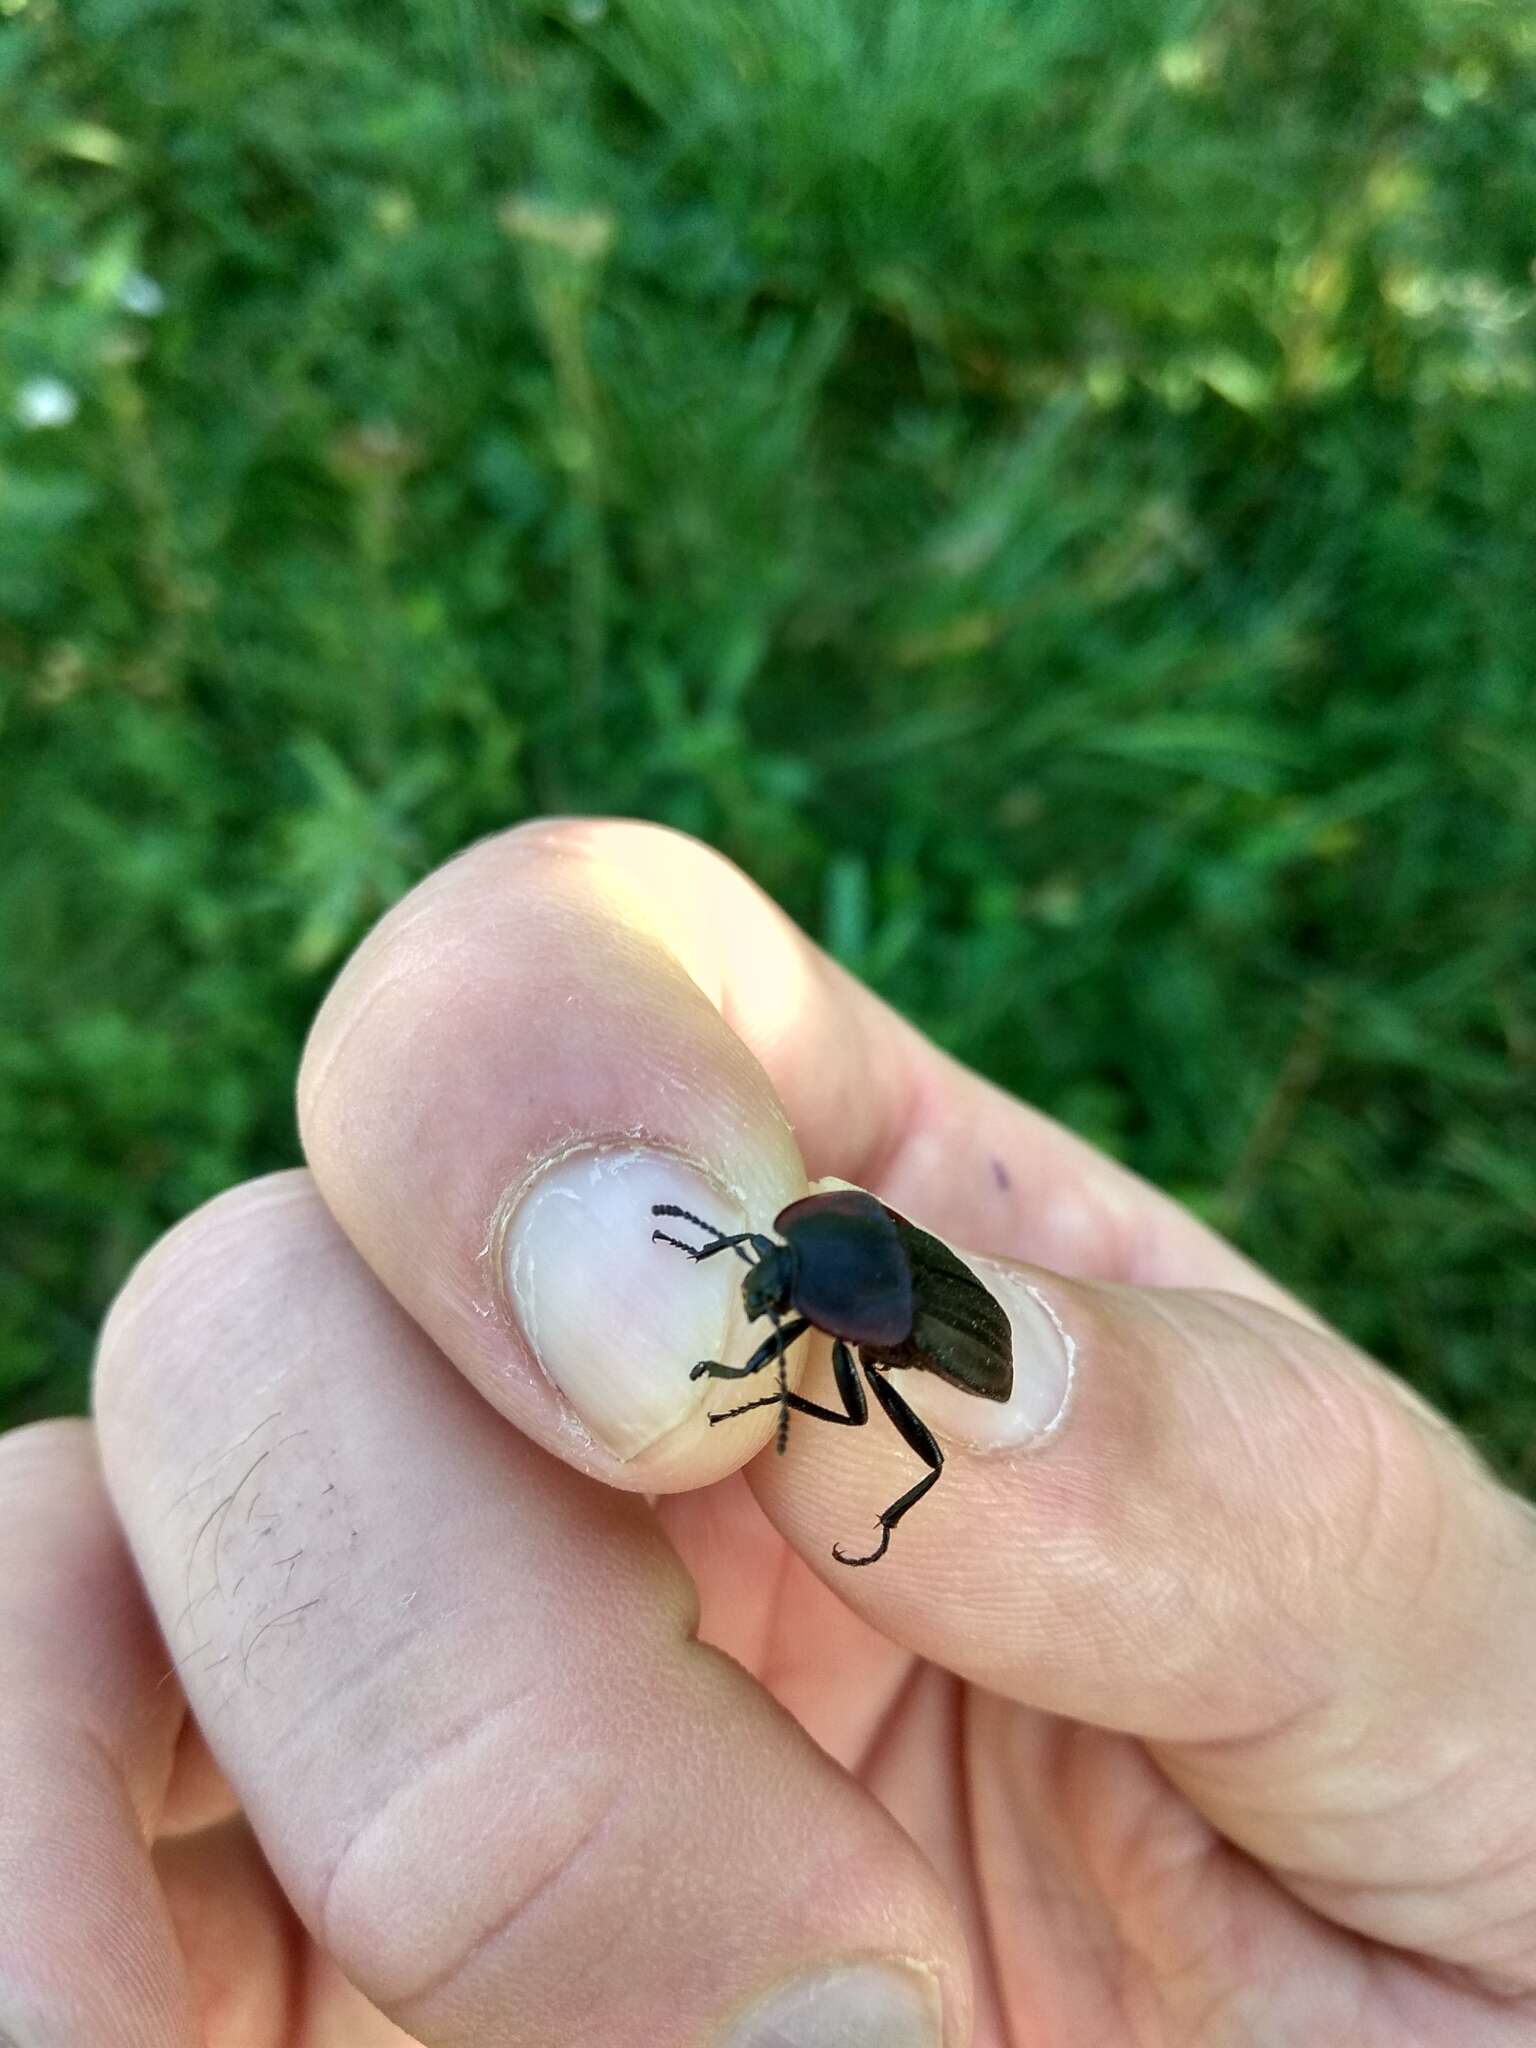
[527,1866]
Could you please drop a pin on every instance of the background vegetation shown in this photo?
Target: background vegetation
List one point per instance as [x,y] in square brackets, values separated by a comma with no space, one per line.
[1047,485]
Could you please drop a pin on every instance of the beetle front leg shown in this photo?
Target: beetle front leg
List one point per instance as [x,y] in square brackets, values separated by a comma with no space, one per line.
[769,1349]
[700,1252]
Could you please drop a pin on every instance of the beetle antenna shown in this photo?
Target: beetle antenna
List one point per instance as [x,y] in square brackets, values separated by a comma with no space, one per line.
[687,1216]
[783,1437]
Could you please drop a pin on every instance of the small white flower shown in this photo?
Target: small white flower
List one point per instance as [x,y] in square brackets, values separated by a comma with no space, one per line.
[46,402]
[139,293]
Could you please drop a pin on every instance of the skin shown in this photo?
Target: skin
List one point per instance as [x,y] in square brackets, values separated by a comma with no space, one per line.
[349,1689]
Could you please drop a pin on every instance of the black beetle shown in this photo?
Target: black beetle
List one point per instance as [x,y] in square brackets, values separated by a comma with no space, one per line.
[866,1276]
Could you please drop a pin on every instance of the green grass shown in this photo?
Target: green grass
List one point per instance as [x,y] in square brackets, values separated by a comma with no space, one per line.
[1048,485]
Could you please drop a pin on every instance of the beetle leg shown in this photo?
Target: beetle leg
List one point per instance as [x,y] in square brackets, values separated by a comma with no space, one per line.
[776,1346]
[705,1251]
[766,1352]
[853,1415]
[915,1432]
[720,1241]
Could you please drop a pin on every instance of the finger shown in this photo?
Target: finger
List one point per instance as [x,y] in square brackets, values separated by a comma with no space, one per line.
[1236,1538]
[504,1082]
[577,1021]
[88,1730]
[455,1688]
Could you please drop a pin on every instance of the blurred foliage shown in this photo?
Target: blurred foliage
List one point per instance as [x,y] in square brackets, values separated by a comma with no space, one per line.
[1048,485]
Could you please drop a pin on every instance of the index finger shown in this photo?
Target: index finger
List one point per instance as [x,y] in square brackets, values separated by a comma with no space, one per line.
[581,1019]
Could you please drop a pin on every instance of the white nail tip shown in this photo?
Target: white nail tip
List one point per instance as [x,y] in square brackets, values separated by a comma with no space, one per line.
[863,2005]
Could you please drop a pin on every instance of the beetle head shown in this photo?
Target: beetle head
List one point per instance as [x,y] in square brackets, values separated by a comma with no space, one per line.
[769,1284]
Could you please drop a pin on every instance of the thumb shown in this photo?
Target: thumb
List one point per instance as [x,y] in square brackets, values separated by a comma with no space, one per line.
[1213,1525]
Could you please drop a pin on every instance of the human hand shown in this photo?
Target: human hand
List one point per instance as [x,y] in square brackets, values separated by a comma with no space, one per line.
[1191,1706]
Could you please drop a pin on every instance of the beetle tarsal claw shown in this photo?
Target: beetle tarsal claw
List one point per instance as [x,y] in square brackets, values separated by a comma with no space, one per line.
[875,1555]
[695,1252]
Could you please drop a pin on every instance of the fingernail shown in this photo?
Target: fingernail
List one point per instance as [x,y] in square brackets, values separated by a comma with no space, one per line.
[615,1320]
[1044,1372]
[865,2005]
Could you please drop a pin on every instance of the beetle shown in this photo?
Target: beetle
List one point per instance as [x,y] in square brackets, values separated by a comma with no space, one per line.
[851,1267]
